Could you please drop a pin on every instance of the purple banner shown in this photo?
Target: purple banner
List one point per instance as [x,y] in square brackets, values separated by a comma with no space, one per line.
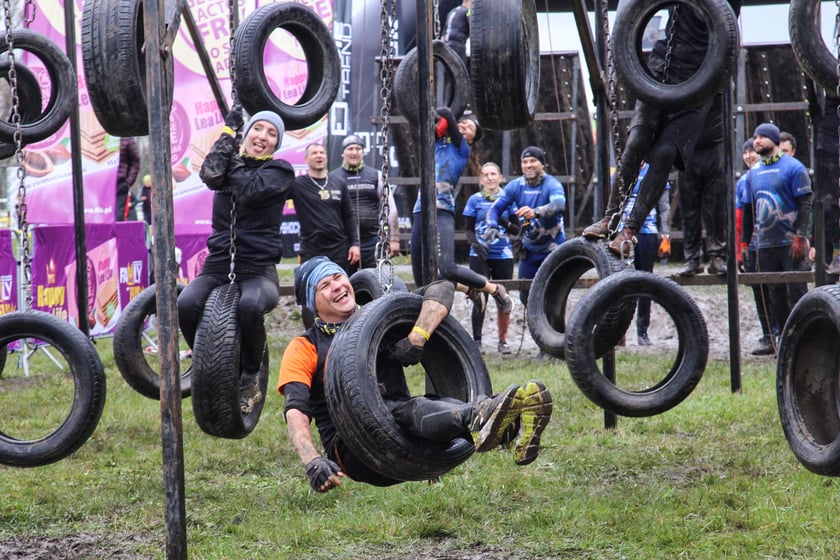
[191,242]
[8,274]
[132,259]
[53,263]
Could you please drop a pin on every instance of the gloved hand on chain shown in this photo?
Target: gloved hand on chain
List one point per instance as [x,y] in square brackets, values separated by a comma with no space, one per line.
[319,470]
[799,249]
[480,251]
[234,120]
[665,246]
[491,234]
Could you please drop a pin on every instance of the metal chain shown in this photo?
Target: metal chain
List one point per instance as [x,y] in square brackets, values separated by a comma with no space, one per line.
[436,19]
[21,208]
[233,7]
[386,78]
[669,51]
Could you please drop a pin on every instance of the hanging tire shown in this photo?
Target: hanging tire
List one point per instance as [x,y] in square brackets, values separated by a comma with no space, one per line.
[455,83]
[504,62]
[323,66]
[630,21]
[692,353]
[63,91]
[454,368]
[129,352]
[113,36]
[811,52]
[550,289]
[367,286]
[29,93]
[216,369]
[807,388]
[89,380]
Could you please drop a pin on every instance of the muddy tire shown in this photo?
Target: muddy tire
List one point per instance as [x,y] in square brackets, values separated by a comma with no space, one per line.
[29,93]
[811,52]
[550,289]
[128,346]
[807,389]
[368,287]
[504,62]
[455,84]
[113,35]
[454,368]
[323,65]
[63,86]
[692,352]
[89,380]
[718,64]
[216,369]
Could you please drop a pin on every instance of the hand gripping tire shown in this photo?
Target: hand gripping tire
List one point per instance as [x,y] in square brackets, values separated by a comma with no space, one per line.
[323,65]
[29,93]
[88,376]
[550,289]
[367,286]
[128,347]
[630,21]
[216,369]
[692,353]
[63,87]
[113,35]
[812,54]
[504,62]
[456,82]
[807,388]
[454,368]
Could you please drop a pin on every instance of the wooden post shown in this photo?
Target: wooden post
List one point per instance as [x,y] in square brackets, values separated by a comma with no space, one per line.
[426,192]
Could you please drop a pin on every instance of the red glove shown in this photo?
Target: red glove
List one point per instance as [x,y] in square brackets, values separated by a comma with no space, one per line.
[441,128]
[665,247]
[799,249]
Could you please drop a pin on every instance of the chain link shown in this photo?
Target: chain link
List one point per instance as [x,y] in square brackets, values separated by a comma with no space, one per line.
[388,15]
[669,51]
[29,11]
[436,31]
[233,8]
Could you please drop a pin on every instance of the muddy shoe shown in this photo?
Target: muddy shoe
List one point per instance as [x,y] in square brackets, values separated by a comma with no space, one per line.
[491,417]
[503,300]
[834,266]
[535,403]
[643,340]
[764,348]
[717,266]
[249,393]
[623,243]
[692,267]
[598,230]
[504,348]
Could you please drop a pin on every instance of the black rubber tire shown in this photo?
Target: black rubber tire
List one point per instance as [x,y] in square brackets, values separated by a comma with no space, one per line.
[89,398]
[504,62]
[113,35]
[453,366]
[807,388]
[63,93]
[813,55]
[216,369]
[323,65]
[29,93]
[456,78]
[128,347]
[719,63]
[692,353]
[550,289]
[368,287]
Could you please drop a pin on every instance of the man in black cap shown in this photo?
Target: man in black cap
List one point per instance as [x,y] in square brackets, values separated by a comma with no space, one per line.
[365,186]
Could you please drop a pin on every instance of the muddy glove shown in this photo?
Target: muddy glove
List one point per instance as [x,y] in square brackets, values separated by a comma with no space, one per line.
[480,251]
[799,249]
[234,119]
[491,234]
[406,353]
[665,247]
[319,470]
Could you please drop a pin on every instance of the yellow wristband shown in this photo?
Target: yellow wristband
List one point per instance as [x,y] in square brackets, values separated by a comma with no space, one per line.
[229,131]
[422,332]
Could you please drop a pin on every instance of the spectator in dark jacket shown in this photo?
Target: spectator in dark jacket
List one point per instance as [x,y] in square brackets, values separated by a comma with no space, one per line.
[127,171]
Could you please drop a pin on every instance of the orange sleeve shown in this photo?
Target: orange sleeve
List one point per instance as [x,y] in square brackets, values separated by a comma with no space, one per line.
[300,360]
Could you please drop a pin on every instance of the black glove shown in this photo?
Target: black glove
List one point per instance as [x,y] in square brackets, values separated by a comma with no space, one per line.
[234,119]
[480,250]
[406,353]
[319,470]
[491,234]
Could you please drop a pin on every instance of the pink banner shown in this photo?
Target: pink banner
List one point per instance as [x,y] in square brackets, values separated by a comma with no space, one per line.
[8,274]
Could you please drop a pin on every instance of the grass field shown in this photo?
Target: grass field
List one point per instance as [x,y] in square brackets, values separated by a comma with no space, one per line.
[712,478]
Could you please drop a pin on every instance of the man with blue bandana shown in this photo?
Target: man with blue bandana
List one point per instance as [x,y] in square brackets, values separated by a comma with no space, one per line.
[324,287]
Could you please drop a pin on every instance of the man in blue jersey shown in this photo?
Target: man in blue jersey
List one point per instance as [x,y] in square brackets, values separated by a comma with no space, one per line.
[540,200]
[776,205]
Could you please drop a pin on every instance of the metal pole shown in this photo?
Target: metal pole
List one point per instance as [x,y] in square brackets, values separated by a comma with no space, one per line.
[731,245]
[157,79]
[425,83]
[78,186]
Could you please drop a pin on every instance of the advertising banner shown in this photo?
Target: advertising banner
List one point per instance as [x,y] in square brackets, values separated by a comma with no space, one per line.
[8,273]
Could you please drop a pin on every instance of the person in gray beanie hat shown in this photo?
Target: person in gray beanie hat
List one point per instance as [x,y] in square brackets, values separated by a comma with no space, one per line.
[259,186]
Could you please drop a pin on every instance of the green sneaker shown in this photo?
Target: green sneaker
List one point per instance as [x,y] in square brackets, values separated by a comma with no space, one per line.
[491,417]
[535,403]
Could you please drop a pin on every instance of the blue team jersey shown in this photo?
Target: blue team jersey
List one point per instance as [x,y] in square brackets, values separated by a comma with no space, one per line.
[449,165]
[477,207]
[772,190]
[649,225]
[540,235]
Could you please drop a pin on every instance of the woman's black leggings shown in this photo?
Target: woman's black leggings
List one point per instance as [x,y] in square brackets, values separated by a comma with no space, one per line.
[446,252]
